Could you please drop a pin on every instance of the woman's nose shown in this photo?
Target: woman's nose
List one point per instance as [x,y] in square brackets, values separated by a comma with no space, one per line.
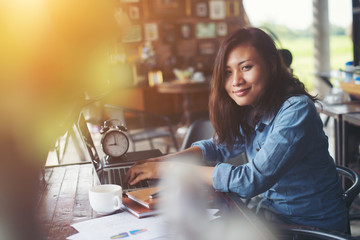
[237,79]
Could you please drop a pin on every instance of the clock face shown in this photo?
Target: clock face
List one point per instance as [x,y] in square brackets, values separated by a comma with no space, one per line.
[115,143]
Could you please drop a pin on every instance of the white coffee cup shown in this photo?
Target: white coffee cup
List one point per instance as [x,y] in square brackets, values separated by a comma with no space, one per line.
[106,198]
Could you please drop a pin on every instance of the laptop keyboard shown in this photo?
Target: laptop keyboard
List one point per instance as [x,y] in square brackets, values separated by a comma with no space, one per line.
[117,176]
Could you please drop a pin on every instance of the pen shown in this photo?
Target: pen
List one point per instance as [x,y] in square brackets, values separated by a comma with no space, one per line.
[155,195]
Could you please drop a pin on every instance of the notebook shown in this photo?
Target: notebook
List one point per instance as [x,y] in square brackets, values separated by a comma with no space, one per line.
[137,209]
[142,196]
[113,170]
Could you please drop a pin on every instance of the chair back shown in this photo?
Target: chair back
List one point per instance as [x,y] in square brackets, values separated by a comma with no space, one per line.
[200,129]
[350,192]
[351,185]
[310,233]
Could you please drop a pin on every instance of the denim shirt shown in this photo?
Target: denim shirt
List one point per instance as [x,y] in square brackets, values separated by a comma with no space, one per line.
[289,165]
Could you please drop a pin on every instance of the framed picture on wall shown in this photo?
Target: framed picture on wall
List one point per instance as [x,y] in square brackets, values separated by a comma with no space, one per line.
[201,9]
[232,8]
[155,77]
[151,32]
[217,9]
[168,32]
[207,47]
[221,29]
[132,34]
[185,30]
[205,30]
[160,9]
[134,12]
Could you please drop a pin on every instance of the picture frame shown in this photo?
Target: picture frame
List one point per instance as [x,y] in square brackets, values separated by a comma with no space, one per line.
[201,9]
[165,9]
[185,31]
[205,30]
[221,29]
[208,48]
[217,9]
[134,12]
[168,32]
[132,34]
[232,8]
[155,78]
[151,32]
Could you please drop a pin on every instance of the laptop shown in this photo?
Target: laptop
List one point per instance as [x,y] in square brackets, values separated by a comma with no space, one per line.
[113,170]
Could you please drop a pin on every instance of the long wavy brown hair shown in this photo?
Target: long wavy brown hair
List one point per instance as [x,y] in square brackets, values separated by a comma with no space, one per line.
[226,116]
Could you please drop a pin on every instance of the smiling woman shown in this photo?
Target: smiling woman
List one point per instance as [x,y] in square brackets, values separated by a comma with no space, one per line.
[259,108]
[51,52]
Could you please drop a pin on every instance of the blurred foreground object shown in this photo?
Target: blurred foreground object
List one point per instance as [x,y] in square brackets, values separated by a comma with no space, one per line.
[51,53]
[185,204]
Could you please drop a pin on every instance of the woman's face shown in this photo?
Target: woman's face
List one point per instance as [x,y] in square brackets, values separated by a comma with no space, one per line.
[246,75]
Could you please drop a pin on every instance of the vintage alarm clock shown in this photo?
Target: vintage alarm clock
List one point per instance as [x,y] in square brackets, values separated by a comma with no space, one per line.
[114,141]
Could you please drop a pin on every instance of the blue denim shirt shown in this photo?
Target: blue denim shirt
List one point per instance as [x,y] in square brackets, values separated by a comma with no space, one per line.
[289,165]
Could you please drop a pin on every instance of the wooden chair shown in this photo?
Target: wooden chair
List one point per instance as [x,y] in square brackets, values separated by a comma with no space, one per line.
[200,129]
[352,190]
[351,184]
[308,233]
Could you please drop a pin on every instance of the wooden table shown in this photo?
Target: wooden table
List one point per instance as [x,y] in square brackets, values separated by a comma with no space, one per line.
[351,88]
[337,111]
[64,201]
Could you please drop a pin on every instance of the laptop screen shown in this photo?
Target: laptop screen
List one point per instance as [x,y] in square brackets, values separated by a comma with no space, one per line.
[86,136]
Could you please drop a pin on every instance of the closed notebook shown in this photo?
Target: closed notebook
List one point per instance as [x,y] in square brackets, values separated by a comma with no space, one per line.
[137,209]
[143,197]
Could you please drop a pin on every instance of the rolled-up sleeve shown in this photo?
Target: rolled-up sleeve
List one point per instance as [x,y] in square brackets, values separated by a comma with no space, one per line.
[221,176]
[214,153]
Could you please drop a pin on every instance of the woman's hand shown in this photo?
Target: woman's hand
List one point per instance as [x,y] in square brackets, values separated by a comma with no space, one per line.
[147,170]
[153,170]
[154,167]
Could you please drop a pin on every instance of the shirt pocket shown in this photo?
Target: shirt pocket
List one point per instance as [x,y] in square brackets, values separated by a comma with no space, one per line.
[259,141]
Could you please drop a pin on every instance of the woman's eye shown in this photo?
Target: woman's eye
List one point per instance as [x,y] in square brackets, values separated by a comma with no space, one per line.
[227,73]
[247,67]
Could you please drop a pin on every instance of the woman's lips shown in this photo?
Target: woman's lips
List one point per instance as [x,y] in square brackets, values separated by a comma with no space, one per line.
[241,92]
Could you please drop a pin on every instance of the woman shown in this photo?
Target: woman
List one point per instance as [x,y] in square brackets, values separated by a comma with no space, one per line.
[257,106]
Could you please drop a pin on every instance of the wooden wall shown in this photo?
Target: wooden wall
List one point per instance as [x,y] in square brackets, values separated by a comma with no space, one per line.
[183,33]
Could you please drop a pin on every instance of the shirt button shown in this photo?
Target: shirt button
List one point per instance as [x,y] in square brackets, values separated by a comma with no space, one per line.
[260,130]
[257,149]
